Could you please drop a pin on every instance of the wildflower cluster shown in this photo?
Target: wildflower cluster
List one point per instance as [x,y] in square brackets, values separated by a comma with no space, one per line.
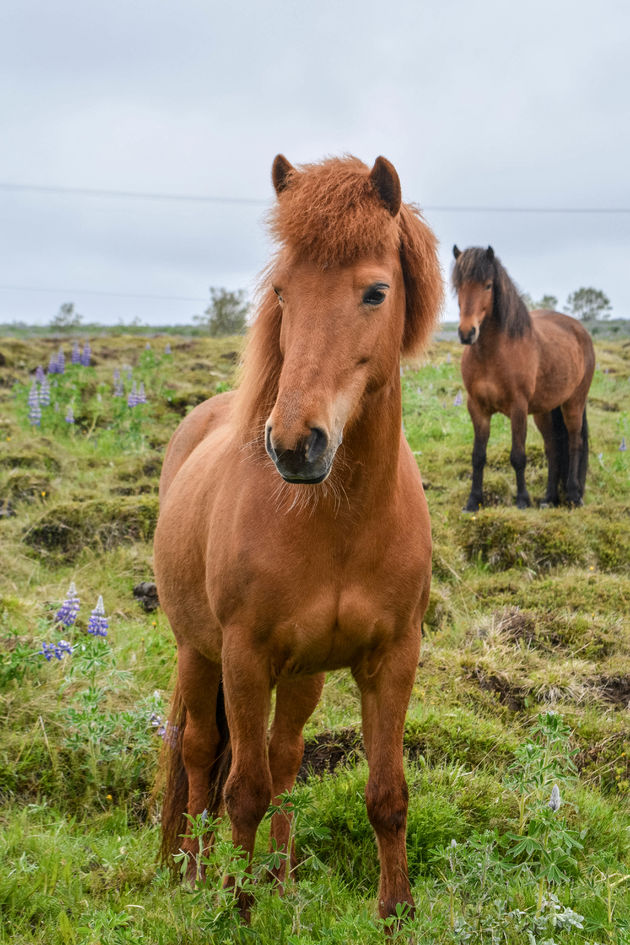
[67,613]
[98,623]
[165,729]
[34,409]
[58,650]
[136,396]
[57,363]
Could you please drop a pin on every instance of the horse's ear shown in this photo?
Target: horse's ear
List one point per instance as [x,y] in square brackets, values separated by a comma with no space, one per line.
[385,180]
[281,171]
[456,251]
[490,253]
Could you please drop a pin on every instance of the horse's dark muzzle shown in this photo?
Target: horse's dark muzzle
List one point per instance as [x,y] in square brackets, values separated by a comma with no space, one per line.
[467,338]
[307,464]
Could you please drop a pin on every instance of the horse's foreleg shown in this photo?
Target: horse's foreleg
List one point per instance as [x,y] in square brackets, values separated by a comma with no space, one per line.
[518,458]
[384,700]
[295,702]
[544,422]
[248,788]
[481,426]
[198,680]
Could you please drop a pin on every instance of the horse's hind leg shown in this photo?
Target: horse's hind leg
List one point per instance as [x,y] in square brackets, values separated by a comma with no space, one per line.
[573,413]
[545,423]
[295,702]
[385,696]
[198,681]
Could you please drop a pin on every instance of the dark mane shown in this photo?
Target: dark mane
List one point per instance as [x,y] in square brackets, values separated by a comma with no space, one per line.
[510,313]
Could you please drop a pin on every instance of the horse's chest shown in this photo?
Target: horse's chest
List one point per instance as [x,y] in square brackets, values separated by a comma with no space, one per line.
[330,631]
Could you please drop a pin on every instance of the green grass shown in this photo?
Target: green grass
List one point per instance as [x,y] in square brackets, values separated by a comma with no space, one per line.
[528,615]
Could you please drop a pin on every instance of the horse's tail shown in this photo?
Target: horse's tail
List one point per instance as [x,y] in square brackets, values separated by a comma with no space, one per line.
[175,779]
[561,440]
[583,466]
[561,444]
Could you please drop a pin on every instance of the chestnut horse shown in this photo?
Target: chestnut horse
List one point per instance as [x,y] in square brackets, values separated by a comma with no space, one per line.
[293,535]
[519,362]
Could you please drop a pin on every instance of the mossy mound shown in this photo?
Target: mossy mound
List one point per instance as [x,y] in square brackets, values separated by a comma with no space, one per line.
[509,538]
[68,527]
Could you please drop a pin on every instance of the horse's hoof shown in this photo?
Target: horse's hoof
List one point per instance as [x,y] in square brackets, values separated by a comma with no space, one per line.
[524,502]
[473,505]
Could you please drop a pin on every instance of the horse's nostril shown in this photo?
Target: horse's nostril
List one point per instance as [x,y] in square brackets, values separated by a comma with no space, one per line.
[316,444]
[268,444]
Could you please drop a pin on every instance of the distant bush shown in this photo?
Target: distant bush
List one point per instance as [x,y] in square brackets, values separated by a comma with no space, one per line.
[226,314]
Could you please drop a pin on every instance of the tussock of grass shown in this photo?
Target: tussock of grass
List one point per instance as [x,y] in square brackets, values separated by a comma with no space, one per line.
[67,528]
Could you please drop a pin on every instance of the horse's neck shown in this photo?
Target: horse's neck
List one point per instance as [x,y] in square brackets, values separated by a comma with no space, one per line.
[372,445]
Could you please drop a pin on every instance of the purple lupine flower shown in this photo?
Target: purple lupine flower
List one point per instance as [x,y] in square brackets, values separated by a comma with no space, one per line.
[132,399]
[67,613]
[47,651]
[118,387]
[167,349]
[448,357]
[69,417]
[87,354]
[147,347]
[98,623]
[76,354]
[39,374]
[52,364]
[58,650]
[622,445]
[167,731]
[44,392]
[34,409]
[141,397]
[459,400]
[61,361]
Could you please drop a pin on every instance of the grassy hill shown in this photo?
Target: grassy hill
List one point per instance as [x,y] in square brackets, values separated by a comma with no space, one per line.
[523,682]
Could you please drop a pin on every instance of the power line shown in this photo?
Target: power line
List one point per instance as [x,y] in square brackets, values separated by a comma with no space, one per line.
[129,194]
[118,295]
[253,201]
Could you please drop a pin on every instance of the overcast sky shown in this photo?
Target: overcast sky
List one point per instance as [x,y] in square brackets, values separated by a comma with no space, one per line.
[478,104]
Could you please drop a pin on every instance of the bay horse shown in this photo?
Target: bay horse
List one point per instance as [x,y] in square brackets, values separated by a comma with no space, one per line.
[518,362]
[293,534]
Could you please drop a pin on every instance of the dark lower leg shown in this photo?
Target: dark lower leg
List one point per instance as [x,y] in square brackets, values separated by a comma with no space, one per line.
[481,425]
[517,456]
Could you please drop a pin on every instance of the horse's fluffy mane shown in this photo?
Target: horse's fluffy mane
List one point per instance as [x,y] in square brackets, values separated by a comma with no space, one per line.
[331,214]
[509,311]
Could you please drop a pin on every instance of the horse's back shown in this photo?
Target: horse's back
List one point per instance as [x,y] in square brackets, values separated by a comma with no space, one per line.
[561,335]
[194,428]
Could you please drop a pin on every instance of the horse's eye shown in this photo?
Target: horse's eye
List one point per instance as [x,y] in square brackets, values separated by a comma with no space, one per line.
[277,291]
[375,294]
